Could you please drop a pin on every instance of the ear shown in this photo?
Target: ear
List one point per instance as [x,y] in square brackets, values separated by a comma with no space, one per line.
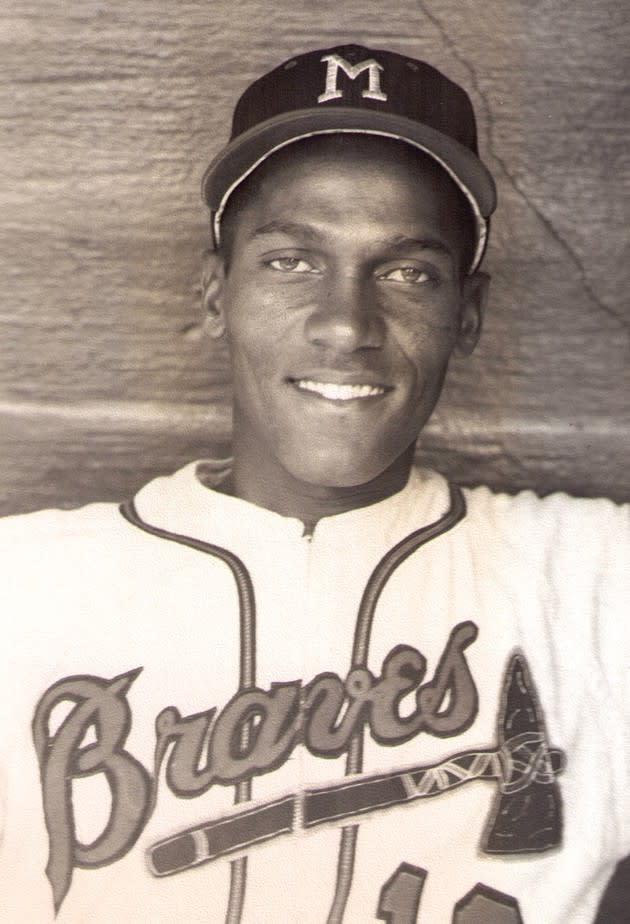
[212,283]
[474,296]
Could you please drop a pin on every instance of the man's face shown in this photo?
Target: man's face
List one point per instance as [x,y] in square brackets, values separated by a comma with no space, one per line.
[343,302]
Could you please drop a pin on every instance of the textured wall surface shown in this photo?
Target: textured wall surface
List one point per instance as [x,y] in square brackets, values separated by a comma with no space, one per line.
[109,114]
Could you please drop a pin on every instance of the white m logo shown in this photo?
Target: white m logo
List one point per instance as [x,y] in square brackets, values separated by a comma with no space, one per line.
[352,71]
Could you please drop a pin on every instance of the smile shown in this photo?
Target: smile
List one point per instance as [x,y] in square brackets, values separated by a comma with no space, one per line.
[335,391]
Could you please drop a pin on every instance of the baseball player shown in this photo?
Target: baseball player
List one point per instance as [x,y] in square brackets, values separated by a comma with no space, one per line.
[314,683]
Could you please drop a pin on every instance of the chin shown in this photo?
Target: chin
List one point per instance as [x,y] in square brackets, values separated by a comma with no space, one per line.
[338,469]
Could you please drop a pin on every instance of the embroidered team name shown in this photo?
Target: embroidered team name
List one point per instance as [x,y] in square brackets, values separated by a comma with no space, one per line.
[336,63]
[252,735]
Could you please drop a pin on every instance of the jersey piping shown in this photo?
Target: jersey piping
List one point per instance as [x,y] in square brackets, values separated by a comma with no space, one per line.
[360,650]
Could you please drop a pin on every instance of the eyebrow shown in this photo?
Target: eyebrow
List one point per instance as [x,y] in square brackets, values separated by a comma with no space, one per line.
[290,228]
[401,243]
[396,244]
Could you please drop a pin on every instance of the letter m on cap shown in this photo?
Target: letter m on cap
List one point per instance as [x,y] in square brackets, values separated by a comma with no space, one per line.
[336,63]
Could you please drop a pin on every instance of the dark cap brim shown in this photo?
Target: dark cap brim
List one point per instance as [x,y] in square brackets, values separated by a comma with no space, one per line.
[246,152]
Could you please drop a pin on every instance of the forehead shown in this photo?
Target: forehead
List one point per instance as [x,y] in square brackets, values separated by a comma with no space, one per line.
[343,180]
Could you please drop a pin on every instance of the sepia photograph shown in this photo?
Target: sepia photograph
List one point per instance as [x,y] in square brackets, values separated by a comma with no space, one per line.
[315,483]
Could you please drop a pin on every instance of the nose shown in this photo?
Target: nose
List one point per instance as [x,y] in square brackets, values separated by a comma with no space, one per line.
[346,317]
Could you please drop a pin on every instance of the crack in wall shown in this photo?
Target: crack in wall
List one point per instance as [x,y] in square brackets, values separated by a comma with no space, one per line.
[546,222]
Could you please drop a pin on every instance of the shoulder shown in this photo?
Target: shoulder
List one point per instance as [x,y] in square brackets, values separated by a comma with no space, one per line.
[552,515]
[583,542]
[56,525]
[557,520]
[45,553]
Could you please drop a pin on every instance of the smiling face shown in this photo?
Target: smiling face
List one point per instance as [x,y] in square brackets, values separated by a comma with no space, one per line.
[343,295]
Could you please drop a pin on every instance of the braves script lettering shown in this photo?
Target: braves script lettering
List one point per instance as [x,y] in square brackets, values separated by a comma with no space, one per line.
[323,715]
[526,814]
[102,705]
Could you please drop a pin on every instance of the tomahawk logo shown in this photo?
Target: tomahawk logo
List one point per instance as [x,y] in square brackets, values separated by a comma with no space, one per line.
[526,816]
[325,716]
[336,63]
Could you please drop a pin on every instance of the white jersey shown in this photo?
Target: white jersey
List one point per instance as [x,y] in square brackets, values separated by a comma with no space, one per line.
[417,714]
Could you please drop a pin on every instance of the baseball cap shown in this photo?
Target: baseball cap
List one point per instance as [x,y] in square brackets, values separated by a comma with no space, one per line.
[358,90]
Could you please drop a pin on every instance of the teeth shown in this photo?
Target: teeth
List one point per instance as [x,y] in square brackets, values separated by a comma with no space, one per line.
[336,392]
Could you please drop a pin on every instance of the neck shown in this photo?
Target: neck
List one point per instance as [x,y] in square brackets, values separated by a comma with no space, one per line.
[270,486]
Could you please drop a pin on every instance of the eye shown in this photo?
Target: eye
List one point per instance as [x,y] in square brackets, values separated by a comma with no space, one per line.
[410,275]
[295,265]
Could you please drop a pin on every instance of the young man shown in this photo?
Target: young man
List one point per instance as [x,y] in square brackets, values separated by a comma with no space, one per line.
[315,683]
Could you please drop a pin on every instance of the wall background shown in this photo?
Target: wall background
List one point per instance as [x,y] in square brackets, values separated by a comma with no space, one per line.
[109,114]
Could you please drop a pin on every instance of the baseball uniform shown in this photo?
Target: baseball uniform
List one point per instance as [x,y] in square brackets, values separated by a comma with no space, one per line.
[417,713]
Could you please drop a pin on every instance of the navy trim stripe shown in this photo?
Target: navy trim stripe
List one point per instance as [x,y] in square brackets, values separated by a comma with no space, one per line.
[383,792]
[373,589]
[247,667]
